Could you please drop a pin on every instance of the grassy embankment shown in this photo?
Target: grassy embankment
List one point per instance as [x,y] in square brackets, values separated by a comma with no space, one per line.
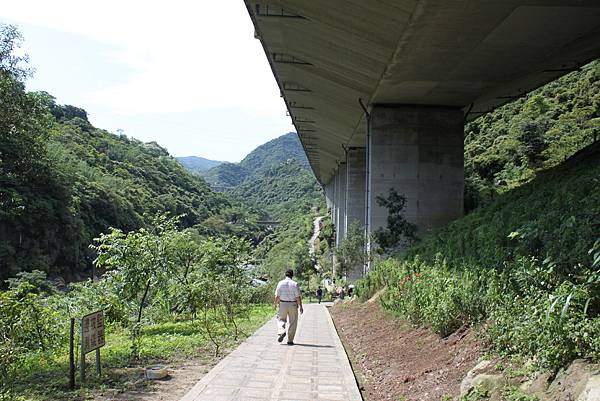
[526,268]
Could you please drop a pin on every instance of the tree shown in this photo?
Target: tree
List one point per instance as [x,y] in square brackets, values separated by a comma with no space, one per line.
[351,252]
[23,128]
[141,257]
[10,63]
[399,233]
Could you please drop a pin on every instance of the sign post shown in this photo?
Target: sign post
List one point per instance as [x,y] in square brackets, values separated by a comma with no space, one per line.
[92,338]
[72,356]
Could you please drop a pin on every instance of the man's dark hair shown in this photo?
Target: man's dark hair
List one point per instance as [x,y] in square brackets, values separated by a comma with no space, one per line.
[289,273]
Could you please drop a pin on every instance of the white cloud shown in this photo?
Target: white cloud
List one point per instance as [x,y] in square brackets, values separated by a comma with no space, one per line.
[185,55]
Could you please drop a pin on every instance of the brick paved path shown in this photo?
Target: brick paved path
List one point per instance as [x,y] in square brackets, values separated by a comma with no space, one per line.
[316,368]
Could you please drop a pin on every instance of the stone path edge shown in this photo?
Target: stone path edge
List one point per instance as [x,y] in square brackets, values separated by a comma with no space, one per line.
[356,383]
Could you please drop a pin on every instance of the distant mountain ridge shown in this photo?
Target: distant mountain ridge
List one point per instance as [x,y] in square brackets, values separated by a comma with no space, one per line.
[197,164]
[267,156]
[274,177]
[273,153]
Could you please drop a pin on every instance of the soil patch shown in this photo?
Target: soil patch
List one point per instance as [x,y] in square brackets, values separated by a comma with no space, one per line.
[393,360]
[182,377]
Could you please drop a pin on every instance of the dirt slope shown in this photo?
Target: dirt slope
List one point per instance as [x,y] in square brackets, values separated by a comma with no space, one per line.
[395,361]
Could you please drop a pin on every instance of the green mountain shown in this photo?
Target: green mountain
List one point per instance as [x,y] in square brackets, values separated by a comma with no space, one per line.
[256,163]
[273,153]
[225,176]
[197,163]
[275,177]
[281,189]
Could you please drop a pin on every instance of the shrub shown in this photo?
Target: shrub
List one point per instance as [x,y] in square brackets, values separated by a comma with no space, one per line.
[531,310]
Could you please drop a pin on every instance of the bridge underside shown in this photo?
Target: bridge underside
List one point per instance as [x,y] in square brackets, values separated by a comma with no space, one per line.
[471,55]
[408,58]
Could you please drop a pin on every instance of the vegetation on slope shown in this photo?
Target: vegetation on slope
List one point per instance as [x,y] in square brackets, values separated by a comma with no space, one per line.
[275,152]
[527,262]
[506,148]
[287,248]
[225,176]
[281,190]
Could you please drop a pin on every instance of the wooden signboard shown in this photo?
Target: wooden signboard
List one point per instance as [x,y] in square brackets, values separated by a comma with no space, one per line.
[92,331]
[92,338]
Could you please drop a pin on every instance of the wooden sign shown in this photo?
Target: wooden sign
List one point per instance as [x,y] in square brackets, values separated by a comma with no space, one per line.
[92,332]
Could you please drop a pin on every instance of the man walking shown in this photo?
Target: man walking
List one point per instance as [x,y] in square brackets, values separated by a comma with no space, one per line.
[319,294]
[287,296]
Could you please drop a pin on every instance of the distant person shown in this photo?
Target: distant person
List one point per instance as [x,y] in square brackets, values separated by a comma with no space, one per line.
[350,290]
[319,294]
[288,298]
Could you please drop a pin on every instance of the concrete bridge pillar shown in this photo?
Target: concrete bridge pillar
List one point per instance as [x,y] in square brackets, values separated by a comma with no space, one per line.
[335,182]
[355,198]
[355,187]
[334,199]
[328,198]
[335,202]
[340,227]
[418,151]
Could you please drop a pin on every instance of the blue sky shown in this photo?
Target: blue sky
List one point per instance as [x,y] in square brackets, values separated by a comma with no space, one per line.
[186,74]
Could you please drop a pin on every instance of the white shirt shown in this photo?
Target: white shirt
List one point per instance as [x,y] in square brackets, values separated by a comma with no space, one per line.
[287,290]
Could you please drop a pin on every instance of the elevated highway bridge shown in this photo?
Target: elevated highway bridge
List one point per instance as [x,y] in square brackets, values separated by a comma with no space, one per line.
[379,90]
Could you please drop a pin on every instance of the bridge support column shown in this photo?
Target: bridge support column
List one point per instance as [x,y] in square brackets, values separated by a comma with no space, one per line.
[335,200]
[340,227]
[355,187]
[418,151]
[334,216]
[327,189]
[355,198]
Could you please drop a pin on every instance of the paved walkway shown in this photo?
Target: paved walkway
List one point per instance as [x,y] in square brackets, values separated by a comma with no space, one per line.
[316,368]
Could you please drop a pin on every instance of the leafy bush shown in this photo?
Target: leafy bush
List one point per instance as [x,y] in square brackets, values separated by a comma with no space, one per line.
[28,322]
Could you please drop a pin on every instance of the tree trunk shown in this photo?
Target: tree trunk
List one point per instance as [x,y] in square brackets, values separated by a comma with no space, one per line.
[143,301]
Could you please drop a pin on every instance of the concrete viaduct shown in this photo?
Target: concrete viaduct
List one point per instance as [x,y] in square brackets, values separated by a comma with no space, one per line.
[379,90]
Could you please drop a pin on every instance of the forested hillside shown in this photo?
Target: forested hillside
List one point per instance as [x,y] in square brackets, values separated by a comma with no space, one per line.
[82,181]
[281,189]
[265,157]
[273,153]
[63,182]
[275,178]
[225,176]
[506,148]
